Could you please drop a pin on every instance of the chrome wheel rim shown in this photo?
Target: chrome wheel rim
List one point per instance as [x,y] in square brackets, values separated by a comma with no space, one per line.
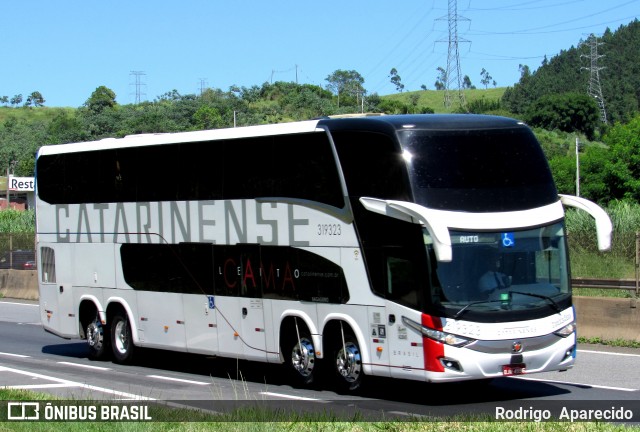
[349,366]
[121,337]
[303,357]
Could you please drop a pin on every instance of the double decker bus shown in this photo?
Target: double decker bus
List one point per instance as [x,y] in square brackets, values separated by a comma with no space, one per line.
[421,247]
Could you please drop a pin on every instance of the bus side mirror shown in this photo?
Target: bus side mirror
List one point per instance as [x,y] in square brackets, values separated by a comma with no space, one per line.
[604,227]
[415,213]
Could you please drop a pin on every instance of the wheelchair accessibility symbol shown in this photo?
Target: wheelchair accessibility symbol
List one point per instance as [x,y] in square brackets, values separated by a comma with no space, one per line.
[508,240]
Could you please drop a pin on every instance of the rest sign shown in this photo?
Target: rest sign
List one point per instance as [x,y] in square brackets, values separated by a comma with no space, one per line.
[21,184]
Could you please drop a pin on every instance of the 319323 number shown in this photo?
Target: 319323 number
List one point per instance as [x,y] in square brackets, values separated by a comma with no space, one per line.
[329,229]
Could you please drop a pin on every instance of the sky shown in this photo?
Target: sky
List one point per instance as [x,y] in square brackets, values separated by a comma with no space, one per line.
[65,49]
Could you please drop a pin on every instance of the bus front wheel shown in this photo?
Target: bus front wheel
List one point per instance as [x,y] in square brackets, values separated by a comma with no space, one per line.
[121,340]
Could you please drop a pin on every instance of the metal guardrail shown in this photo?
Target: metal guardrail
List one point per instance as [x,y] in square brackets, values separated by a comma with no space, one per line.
[626,284]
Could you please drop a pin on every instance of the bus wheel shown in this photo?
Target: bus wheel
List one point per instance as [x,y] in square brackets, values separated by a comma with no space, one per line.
[96,339]
[300,358]
[348,363]
[121,341]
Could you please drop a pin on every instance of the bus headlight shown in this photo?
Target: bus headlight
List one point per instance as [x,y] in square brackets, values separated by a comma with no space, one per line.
[437,335]
[567,330]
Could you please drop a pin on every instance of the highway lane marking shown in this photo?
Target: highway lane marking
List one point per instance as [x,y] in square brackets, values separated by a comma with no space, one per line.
[14,355]
[177,380]
[609,353]
[577,384]
[67,383]
[39,386]
[286,396]
[84,366]
[20,304]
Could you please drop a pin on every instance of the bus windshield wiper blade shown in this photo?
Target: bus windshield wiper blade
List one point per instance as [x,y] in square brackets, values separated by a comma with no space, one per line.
[549,299]
[464,309]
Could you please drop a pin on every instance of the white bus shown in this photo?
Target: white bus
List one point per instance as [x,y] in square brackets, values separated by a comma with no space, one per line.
[427,247]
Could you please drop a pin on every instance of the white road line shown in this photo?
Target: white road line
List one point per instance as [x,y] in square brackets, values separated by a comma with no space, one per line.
[578,384]
[14,355]
[84,366]
[38,386]
[286,396]
[21,304]
[124,395]
[177,380]
[609,353]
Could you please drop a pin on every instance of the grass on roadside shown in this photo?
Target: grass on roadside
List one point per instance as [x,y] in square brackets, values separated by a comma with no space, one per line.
[261,420]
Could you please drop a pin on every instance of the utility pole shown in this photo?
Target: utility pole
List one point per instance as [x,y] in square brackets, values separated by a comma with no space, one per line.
[138,83]
[595,90]
[454,74]
[577,167]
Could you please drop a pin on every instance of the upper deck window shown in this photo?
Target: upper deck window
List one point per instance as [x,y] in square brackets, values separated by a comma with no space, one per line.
[298,166]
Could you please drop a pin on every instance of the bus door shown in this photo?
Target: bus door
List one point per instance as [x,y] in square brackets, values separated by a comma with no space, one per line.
[239,303]
[406,354]
[56,302]
[199,301]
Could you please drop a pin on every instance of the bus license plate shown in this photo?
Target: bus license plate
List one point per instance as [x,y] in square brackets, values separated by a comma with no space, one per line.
[514,369]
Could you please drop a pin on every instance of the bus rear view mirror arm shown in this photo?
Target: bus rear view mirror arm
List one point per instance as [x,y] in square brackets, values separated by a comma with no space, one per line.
[604,227]
[415,213]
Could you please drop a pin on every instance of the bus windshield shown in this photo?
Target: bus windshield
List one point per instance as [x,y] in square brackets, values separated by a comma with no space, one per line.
[503,271]
[493,170]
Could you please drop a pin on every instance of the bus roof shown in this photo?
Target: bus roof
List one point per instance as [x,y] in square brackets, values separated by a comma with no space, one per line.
[444,122]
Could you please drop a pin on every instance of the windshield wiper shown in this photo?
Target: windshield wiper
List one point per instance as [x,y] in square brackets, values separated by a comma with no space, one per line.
[549,299]
[464,309]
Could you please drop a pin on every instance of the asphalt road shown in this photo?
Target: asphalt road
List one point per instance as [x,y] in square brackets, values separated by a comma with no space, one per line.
[30,358]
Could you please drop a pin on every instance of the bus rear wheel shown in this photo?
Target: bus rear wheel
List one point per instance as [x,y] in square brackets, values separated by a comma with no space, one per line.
[96,339]
[300,358]
[347,362]
[121,340]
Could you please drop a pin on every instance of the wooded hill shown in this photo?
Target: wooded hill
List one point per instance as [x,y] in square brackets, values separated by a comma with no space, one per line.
[618,55]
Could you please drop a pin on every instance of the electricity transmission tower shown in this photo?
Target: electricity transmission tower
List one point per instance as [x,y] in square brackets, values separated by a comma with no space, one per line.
[138,83]
[454,74]
[203,85]
[595,90]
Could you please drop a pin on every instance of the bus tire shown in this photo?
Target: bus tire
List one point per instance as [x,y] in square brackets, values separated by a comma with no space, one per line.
[348,373]
[121,339]
[97,338]
[300,358]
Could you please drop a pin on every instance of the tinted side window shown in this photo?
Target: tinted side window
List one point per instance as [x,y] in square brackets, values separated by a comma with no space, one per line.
[184,268]
[294,166]
[299,166]
[246,270]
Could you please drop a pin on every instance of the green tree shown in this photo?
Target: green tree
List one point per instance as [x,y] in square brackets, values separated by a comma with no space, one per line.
[65,128]
[623,167]
[101,99]
[207,117]
[441,80]
[466,83]
[346,83]
[16,100]
[36,99]
[396,80]
[486,78]
[569,112]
